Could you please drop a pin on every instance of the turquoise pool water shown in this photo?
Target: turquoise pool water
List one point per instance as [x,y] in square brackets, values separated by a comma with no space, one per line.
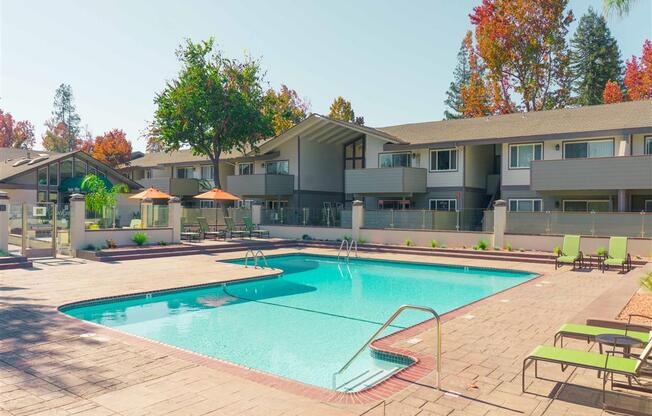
[306,323]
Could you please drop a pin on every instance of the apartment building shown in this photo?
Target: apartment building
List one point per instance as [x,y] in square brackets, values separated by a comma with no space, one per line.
[596,158]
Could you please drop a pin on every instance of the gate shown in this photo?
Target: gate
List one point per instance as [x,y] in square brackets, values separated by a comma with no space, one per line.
[39,229]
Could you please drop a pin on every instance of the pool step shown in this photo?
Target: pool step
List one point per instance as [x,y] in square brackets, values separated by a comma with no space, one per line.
[366,379]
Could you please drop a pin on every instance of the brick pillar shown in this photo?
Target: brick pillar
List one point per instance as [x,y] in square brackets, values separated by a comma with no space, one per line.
[77,222]
[357,219]
[500,223]
[174,218]
[4,222]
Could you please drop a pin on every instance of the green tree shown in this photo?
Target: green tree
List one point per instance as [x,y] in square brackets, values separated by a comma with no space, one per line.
[65,113]
[461,77]
[286,108]
[341,109]
[620,7]
[99,198]
[215,105]
[595,58]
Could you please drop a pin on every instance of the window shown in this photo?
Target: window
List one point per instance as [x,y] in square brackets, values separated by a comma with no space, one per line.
[354,154]
[185,172]
[275,204]
[66,169]
[525,205]
[443,160]
[147,174]
[206,204]
[207,172]
[394,204]
[54,174]
[588,149]
[443,204]
[278,167]
[648,205]
[80,168]
[587,205]
[520,155]
[245,168]
[648,145]
[42,177]
[394,160]
[53,196]
[41,196]
[244,203]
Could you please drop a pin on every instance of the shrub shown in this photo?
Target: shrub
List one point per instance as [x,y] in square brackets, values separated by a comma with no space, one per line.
[601,251]
[508,247]
[306,237]
[443,246]
[111,244]
[90,247]
[139,238]
[434,243]
[482,245]
[409,242]
[361,241]
[646,282]
[557,250]
[162,243]
[348,238]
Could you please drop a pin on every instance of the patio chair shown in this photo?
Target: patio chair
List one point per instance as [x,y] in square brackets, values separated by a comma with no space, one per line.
[136,223]
[617,254]
[232,229]
[570,252]
[594,328]
[632,368]
[253,229]
[206,231]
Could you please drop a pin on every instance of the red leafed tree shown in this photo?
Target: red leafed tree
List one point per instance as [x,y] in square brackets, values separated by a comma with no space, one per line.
[474,94]
[522,44]
[638,74]
[612,93]
[112,148]
[19,134]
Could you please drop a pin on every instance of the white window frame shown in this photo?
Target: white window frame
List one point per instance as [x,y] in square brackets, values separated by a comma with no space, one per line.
[647,205]
[517,145]
[646,140]
[613,147]
[186,169]
[251,168]
[532,200]
[210,169]
[583,200]
[147,174]
[204,203]
[451,202]
[409,159]
[432,168]
[277,162]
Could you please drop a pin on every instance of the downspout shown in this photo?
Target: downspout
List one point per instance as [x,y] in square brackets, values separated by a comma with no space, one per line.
[299,172]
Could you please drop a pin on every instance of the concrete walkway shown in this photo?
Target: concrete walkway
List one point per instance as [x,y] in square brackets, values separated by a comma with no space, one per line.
[53,365]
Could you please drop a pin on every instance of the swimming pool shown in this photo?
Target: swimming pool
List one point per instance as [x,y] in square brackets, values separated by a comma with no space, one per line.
[306,323]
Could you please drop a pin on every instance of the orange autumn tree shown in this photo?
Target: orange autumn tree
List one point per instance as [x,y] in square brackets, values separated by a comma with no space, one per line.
[638,74]
[612,93]
[522,44]
[474,94]
[112,148]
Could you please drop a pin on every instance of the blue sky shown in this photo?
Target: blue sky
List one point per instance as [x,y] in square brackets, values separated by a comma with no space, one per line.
[393,60]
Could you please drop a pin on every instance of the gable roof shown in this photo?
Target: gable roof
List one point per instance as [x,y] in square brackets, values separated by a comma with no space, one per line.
[622,118]
[9,156]
[154,159]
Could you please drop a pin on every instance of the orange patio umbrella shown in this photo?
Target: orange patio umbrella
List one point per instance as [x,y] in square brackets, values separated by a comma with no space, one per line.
[151,193]
[216,194]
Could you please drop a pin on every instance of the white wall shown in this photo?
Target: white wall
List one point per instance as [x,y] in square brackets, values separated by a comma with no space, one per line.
[373,147]
[287,151]
[124,237]
[322,166]
[442,179]
[21,196]
[638,143]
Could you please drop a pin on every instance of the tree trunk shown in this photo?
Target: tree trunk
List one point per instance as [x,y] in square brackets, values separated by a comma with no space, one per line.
[216,172]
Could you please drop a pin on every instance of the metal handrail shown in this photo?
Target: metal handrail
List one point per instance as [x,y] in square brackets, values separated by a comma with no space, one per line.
[353,244]
[348,246]
[260,252]
[385,325]
[344,243]
[253,256]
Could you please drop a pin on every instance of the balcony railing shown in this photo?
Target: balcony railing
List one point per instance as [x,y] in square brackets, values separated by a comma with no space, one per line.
[174,186]
[401,180]
[260,185]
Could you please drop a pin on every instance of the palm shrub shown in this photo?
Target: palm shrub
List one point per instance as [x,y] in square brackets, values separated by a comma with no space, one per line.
[434,243]
[409,242]
[99,198]
[482,245]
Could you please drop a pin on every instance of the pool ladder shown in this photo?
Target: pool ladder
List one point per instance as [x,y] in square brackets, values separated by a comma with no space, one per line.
[348,246]
[255,256]
[388,323]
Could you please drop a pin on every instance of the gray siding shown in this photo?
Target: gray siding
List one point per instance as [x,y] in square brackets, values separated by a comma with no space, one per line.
[625,172]
[260,185]
[385,180]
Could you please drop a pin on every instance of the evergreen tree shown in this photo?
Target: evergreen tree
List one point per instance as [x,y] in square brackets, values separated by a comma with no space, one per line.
[595,58]
[461,77]
[64,113]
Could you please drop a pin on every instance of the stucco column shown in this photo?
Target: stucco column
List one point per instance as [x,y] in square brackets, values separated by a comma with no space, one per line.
[500,223]
[4,222]
[622,200]
[174,218]
[257,213]
[77,222]
[145,210]
[357,219]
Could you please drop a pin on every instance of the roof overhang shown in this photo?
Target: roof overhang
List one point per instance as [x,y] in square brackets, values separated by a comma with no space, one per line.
[439,144]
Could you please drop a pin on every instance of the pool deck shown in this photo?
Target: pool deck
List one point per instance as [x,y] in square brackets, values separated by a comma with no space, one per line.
[51,364]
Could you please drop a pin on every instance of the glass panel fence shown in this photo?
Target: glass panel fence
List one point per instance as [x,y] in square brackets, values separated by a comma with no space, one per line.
[307,216]
[459,220]
[214,216]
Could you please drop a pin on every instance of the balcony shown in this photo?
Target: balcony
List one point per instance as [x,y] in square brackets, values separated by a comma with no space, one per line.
[173,186]
[604,173]
[385,181]
[260,185]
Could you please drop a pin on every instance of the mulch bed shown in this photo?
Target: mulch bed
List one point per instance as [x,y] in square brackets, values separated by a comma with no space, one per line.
[640,303]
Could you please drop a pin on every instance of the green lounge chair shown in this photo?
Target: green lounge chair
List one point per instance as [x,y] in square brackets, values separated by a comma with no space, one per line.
[232,229]
[609,363]
[253,230]
[617,254]
[589,332]
[206,230]
[570,252]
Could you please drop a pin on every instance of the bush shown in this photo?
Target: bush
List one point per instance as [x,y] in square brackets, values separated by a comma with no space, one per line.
[111,244]
[90,247]
[646,282]
[434,243]
[348,238]
[162,243]
[361,241]
[409,242]
[139,238]
[443,246]
[306,237]
[601,251]
[557,250]
[482,245]
[508,247]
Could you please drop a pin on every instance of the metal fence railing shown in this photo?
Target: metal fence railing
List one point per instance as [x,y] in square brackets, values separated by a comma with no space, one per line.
[214,216]
[306,216]
[421,219]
